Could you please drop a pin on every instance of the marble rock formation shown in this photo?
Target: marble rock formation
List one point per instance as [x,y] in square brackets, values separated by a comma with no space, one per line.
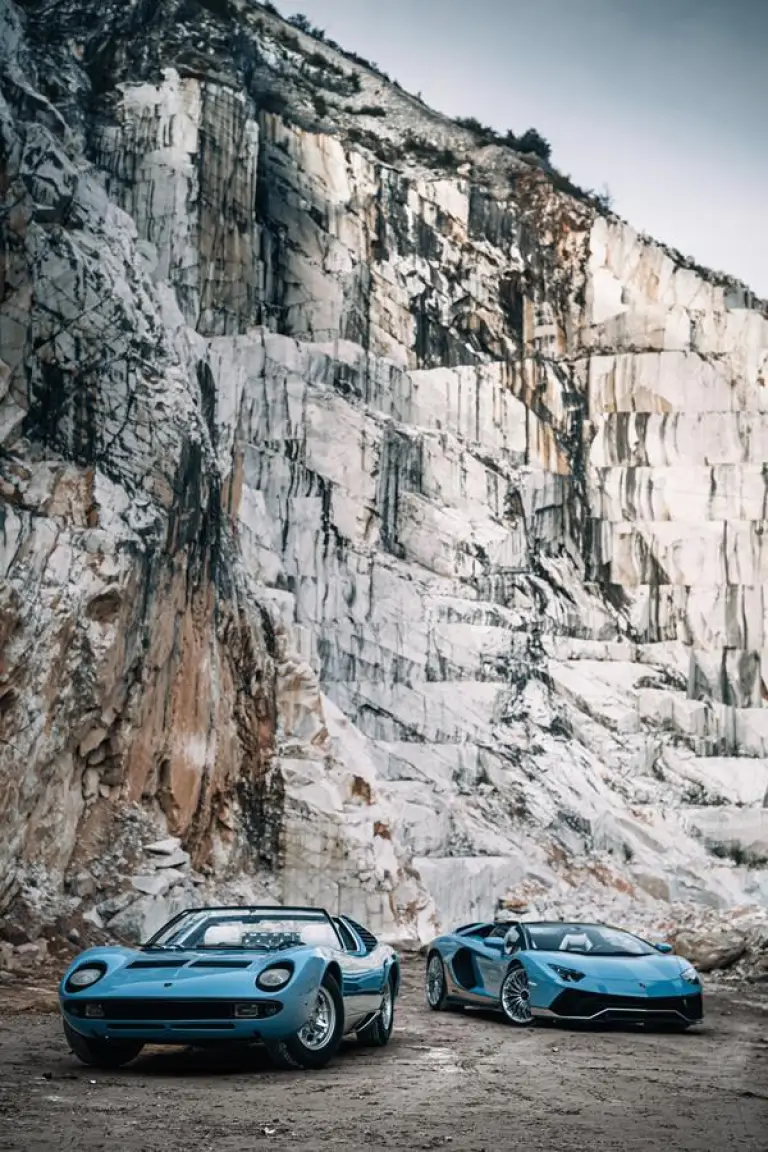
[382,519]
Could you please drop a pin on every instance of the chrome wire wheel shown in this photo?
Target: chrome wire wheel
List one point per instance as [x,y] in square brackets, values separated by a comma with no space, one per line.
[435,982]
[376,1033]
[516,996]
[321,1025]
[386,1007]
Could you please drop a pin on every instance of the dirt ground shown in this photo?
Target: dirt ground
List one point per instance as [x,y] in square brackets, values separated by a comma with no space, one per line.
[464,1081]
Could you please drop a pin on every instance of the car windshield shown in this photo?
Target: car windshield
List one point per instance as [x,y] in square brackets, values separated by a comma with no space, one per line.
[248,928]
[595,939]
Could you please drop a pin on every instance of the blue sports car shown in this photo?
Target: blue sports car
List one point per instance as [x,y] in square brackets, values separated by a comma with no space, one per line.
[559,971]
[295,979]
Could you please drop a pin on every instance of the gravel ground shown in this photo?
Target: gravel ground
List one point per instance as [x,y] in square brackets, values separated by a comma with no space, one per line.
[465,1081]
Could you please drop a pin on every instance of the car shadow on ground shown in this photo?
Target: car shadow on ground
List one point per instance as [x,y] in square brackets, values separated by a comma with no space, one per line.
[584,1026]
[212,1060]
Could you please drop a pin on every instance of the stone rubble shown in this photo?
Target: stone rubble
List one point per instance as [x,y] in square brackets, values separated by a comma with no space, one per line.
[168,847]
[380,525]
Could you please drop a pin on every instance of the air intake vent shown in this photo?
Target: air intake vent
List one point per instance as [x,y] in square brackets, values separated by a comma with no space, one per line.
[155,964]
[167,1010]
[221,964]
[369,940]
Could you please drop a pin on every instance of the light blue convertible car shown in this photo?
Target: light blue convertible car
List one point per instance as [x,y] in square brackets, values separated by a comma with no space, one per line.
[296,979]
[559,971]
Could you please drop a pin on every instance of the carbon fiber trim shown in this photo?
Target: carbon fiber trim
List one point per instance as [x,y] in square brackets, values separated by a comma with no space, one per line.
[574,1004]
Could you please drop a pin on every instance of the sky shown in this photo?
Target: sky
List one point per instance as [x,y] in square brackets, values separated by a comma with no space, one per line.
[662,102]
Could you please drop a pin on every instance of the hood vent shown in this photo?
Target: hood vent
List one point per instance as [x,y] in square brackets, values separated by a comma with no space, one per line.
[154,964]
[221,964]
[182,963]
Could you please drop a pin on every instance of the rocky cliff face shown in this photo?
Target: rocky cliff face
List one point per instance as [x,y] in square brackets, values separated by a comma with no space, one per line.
[380,520]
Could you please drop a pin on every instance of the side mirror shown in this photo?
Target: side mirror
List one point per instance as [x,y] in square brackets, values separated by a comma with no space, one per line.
[495,943]
[663,947]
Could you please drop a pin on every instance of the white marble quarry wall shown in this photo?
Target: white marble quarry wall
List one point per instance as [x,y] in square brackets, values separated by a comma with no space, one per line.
[258,220]
[476,473]
[423,627]
[677,467]
[147,684]
[182,159]
[415,515]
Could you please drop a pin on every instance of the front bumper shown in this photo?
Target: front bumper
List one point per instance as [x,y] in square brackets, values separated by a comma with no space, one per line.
[572,1004]
[180,1021]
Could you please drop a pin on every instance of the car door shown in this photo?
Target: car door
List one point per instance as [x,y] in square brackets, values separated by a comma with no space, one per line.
[492,958]
[363,970]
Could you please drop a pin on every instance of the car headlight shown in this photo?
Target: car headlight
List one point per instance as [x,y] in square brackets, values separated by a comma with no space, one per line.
[567,973]
[690,975]
[84,977]
[273,978]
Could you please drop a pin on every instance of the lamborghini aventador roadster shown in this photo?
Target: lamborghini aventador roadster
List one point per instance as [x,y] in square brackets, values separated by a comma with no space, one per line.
[296,979]
[567,972]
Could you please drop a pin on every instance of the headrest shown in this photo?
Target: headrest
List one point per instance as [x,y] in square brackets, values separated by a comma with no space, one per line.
[224,934]
[576,940]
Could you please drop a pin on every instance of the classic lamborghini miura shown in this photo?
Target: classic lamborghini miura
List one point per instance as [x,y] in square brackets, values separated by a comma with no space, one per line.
[566,972]
[295,979]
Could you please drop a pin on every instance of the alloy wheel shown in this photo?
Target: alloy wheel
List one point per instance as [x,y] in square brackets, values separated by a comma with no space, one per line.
[435,981]
[516,997]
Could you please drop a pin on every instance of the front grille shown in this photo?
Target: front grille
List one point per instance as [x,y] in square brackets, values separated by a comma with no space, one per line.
[169,1011]
[135,1009]
[572,1002]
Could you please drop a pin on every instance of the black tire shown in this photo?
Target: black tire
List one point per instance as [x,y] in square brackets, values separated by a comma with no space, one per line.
[436,985]
[101,1053]
[515,996]
[377,1033]
[302,1050]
